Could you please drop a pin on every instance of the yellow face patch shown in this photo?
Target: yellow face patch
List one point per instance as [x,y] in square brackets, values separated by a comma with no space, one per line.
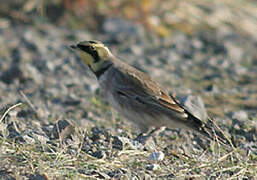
[87,58]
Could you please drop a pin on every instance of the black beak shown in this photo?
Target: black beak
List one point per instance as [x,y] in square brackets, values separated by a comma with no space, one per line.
[73,46]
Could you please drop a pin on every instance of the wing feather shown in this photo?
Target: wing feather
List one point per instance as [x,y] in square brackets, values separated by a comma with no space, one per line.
[170,103]
[141,85]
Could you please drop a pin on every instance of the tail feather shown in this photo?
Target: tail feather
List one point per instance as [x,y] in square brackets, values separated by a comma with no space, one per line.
[209,129]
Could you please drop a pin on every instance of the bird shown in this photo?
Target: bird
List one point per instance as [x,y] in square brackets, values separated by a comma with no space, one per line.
[138,97]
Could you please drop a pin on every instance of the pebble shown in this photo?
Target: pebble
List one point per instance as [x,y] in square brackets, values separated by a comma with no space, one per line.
[240,115]
[153,167]
[63,129]
[156,156]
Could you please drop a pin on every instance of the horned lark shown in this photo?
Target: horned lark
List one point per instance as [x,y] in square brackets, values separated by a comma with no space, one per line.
[135,95]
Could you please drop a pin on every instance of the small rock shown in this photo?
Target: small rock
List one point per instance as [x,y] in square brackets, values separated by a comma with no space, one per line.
[234,51]
[14,133]
[28,139]
[99,154]
[117,173]
[156,156]
[212,89]
[236,127]
[240,70]
[153,167]
[171,175]
[197,44]
[121,142]
[99,134]
[212,76]
[240,115]
[63,129]
[148,141]
[72,102]
[42,139]
[137,50]
[38,176]
[117,143]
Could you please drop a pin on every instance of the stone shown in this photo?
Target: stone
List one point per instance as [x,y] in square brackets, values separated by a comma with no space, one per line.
[156,156]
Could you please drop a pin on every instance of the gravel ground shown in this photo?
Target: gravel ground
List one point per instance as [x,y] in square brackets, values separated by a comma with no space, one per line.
[64,117]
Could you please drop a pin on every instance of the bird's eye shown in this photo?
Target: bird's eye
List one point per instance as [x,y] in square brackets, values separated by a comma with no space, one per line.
[92,48]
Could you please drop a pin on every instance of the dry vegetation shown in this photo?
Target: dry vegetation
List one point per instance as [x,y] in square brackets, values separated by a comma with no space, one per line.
[32,155]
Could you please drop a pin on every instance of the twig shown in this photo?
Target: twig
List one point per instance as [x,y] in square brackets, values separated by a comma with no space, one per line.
[28,101]
[9,109]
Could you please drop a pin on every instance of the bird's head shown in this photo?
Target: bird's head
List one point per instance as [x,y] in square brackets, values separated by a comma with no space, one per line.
[93,53]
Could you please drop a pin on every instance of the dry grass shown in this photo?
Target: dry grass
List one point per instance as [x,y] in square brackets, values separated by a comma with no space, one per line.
[55,159]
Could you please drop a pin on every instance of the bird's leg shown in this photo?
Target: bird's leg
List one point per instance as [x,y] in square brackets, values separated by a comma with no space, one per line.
[157,131]
[143,137]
